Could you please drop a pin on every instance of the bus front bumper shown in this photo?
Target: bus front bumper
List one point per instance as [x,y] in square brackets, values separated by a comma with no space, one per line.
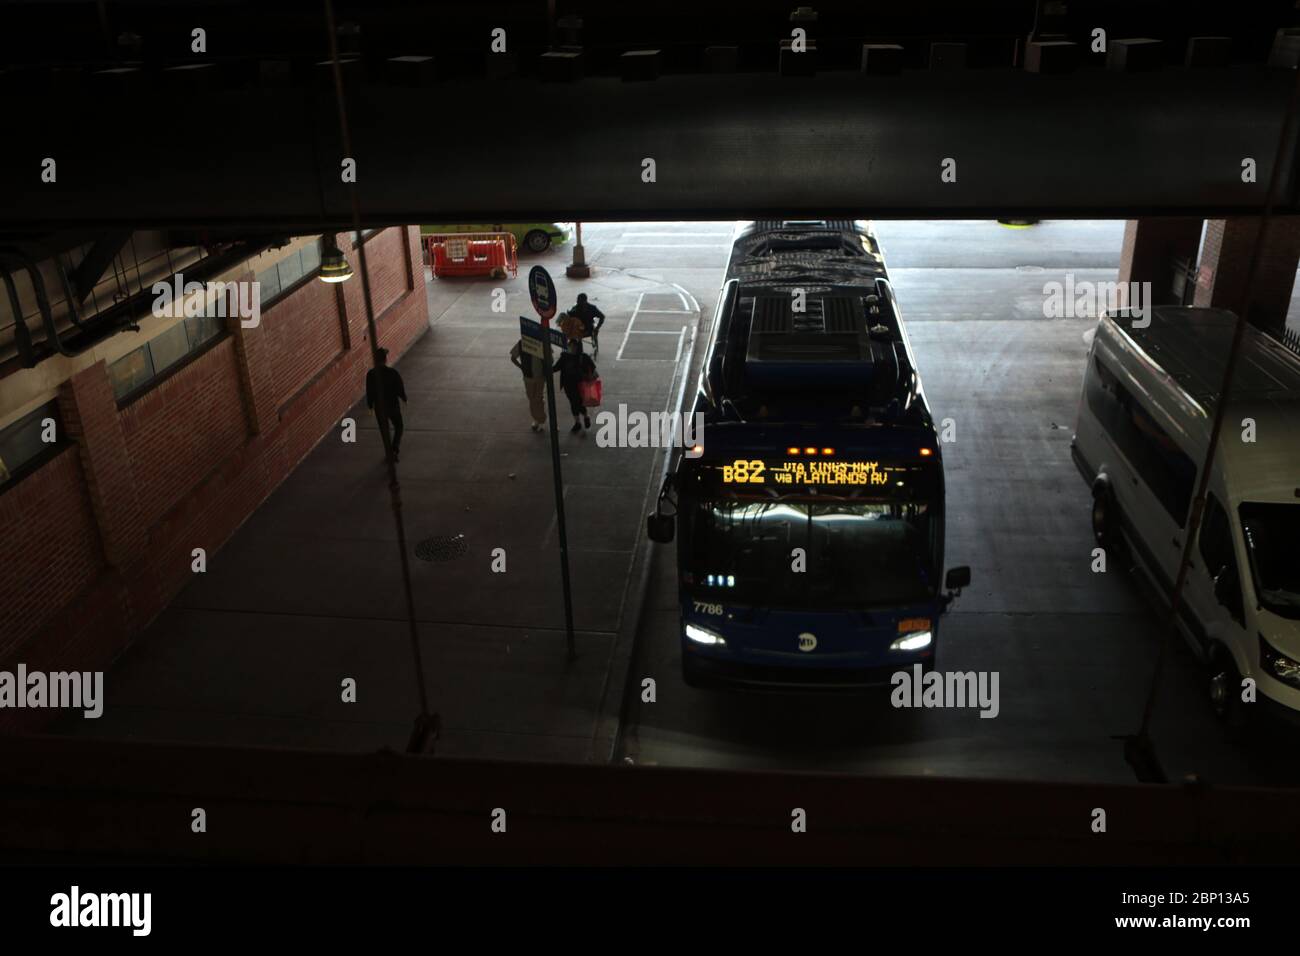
[776,676]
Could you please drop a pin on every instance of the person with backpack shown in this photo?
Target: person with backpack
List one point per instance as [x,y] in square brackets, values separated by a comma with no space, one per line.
[575,367]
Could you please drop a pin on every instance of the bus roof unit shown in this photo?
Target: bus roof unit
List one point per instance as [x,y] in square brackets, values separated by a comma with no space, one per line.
[808,317]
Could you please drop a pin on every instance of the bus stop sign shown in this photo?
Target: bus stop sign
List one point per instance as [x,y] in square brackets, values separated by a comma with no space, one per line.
[531,333]
[542,290]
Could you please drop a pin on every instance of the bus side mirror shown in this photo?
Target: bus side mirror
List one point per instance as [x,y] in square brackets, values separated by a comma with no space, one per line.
[957,578]
[660,528]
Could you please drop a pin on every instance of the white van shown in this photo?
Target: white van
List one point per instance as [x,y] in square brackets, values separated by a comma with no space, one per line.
[1149,397]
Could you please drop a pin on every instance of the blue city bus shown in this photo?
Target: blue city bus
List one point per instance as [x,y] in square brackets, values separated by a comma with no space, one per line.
[809,515]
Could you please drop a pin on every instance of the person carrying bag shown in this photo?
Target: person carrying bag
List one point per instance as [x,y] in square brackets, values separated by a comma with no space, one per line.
[591,389]
[576,372]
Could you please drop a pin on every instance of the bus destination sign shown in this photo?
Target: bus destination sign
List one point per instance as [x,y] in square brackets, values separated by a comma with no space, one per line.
[754,471]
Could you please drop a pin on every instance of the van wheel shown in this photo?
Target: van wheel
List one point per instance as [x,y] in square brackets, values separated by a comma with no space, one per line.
[537,241]
[1224,687]
[1105,522]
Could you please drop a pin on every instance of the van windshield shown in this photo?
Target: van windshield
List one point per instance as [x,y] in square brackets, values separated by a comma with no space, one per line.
[1271,532]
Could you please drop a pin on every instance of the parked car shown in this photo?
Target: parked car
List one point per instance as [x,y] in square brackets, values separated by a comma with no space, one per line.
[533,236]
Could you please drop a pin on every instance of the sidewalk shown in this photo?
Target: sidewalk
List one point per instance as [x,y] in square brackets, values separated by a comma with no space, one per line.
[309,592]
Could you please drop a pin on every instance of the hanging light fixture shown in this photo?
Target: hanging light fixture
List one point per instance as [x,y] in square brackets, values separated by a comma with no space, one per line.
[333,265]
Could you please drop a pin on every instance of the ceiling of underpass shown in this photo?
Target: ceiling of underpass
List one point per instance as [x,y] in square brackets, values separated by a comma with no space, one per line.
[251,141]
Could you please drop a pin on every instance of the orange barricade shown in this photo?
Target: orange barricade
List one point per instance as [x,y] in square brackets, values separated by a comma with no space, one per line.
[493,254]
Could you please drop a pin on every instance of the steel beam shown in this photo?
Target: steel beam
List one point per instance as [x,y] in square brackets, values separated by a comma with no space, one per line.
[1090,143]
[132,801]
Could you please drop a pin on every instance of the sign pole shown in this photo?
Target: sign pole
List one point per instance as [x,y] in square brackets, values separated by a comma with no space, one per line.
[559,493]
[543,295]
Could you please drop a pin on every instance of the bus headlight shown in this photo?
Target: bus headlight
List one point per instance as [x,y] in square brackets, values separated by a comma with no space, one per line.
[1277,664]
[700,636]
[912,642]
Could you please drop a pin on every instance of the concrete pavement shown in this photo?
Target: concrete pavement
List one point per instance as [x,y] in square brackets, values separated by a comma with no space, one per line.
[309,593]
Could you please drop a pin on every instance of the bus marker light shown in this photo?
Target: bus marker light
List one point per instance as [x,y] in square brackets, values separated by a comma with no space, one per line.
[927,452]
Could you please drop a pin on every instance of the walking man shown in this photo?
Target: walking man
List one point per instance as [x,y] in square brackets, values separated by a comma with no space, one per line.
[534,382]
[394,395]
[592,319]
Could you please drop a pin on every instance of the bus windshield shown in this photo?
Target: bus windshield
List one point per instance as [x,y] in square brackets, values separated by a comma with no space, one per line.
[857,553]
[1271,532]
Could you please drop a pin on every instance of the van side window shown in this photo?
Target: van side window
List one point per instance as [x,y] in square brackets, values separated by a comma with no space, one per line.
[1153,454]
[1217,553]
[1215,545]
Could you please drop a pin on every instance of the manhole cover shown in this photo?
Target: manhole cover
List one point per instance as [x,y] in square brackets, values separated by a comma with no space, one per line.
[441,548]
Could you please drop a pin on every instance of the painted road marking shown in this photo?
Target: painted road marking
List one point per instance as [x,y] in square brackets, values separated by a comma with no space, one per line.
[620,246]
[680,332]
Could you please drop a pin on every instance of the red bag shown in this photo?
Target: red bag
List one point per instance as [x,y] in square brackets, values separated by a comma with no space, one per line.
[591,391]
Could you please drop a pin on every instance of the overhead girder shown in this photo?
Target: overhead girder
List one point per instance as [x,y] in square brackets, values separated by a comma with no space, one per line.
[1089,143]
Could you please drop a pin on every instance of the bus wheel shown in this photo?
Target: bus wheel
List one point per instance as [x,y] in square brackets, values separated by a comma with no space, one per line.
[1105,521]
[691,672]
[537,241]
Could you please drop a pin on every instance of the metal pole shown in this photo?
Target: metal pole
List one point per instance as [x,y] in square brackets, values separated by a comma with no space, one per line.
[426,724]
[559,489]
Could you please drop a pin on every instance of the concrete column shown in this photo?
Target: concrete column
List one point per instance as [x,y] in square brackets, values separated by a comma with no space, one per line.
[1225,265]
[1152,248]
[578,269]
[89,411]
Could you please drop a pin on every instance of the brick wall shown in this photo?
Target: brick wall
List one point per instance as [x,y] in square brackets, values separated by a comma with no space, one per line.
[303,334]
[388,279]
[99,540]
[1226,257]
[168,454]
[51,547]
